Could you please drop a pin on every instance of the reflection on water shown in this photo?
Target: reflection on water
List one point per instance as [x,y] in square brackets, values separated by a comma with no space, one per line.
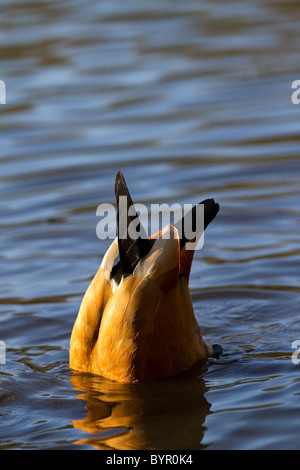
[168,414]
[189,100]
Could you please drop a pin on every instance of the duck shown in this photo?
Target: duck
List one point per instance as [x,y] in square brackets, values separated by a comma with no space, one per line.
[136,320]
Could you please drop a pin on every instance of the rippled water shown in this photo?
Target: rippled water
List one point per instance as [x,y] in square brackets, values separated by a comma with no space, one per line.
[190,100]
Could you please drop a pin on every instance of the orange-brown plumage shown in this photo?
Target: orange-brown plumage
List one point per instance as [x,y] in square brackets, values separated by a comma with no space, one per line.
[144,327]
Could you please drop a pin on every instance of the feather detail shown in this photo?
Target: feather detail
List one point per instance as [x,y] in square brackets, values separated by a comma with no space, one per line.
[136,320]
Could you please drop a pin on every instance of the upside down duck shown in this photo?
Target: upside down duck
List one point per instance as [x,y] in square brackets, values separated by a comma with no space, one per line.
[136,321]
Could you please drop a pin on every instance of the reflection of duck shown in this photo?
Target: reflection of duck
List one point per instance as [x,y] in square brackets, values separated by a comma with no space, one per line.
[167,414]
[136,321]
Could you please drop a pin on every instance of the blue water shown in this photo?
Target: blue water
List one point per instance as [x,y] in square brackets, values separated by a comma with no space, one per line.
[190,100]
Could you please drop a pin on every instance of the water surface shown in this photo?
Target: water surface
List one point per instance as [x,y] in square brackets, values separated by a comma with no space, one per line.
[190,100]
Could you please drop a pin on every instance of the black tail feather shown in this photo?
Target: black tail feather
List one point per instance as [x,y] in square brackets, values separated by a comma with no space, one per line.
[130,251]
[211,208]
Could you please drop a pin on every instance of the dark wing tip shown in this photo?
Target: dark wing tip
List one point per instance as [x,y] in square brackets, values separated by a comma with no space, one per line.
[211,208]
[130,250]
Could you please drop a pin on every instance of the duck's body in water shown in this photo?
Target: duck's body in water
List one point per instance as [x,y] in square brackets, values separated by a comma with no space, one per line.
[136,321]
